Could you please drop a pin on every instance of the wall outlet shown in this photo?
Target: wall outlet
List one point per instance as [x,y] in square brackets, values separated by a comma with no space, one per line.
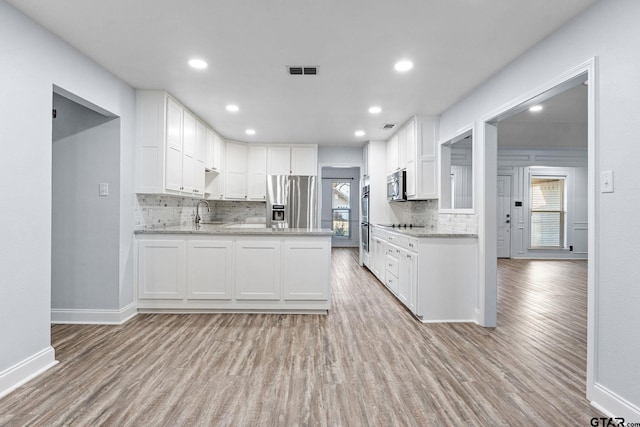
[606,182]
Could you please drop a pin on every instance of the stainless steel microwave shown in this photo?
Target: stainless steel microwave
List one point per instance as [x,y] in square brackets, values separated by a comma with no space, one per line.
[397,186]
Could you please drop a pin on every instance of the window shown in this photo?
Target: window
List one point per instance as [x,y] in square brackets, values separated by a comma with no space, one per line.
[548,212]
[341,209]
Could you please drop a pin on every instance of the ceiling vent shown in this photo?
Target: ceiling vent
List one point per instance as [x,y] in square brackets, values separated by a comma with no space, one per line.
[298,70]
[388,126]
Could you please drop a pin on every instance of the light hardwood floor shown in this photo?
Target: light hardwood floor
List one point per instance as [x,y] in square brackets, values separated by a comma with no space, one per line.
[369,362]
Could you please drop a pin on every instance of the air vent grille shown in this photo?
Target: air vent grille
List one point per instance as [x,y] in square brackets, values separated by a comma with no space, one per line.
[299,70]
[388,126]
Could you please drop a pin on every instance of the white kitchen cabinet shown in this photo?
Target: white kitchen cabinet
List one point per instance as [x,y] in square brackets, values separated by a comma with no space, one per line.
[408,278]
[169,147]
[188,152]
[209,269]
[292,159]
[257,173]
[161,269]
[257,270]
[365,161]
[233,272]
[209,149]
[236,171]
[413,148]
[434,277]
[174,162]
[307,264]
[215,179]
[392,154]
[304,160]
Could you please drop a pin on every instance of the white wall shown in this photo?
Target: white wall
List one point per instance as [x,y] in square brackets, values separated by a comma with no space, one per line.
[610,32]
[572,163]
[32,62]
[85,226]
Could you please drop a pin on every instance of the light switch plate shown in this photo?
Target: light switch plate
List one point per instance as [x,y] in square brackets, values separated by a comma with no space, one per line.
[606,182]
[104,189]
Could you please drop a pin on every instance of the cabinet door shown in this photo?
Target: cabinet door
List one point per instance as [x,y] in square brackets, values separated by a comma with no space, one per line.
[258,275]
[304,160]
[209,149]
[199,151]
[307,264]
[236,171]
[278,160]
[188,152]
[392,154]
[209,270]
[408,279]
[365,160]
[161,269]
[173,165]
[218,153]
[257,173]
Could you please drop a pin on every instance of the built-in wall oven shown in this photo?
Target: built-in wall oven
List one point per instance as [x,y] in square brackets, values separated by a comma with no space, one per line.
[364,224]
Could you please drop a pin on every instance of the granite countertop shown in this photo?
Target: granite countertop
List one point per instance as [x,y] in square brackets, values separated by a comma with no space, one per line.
[240,229]
[428,231]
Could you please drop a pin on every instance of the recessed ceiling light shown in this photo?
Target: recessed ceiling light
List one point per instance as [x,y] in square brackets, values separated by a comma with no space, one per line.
[359,133]
[403,66]
[375,110]
[535,108]
[198,64]
[250,132]
[232,108]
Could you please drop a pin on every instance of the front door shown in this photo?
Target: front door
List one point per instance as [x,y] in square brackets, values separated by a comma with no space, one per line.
[503,214]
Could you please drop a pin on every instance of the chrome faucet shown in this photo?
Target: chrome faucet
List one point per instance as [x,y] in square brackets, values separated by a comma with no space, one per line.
[197,220]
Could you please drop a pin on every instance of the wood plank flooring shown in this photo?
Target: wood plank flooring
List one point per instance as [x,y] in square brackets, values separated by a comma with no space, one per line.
[368,363]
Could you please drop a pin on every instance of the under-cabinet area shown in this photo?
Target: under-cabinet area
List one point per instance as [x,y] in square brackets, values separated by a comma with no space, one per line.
[433,274]
[240,271]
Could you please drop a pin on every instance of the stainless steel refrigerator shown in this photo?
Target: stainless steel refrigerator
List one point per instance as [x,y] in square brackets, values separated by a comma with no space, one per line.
[292,201]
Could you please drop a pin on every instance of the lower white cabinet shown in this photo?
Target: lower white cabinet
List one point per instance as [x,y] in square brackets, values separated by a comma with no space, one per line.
[434,277]
[209,269]
[233,272]
[161,268]
[307,264]
[408,278]
[257,270]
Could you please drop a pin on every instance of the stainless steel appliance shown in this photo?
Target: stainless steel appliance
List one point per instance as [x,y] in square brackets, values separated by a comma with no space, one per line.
[364,224]
[397,186]
[292,201]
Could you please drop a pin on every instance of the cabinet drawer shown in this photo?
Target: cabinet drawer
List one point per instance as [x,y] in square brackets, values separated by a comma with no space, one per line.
[405,242]
[392,283]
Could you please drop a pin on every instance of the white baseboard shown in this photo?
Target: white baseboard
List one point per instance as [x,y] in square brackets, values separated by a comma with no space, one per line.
[26,370]
[613,405]
[94,317]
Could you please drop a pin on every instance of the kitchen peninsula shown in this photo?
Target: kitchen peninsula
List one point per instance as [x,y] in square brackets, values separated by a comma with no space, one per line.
[233,268]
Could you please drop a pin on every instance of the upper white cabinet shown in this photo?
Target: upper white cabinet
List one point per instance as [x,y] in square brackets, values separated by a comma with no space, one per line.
[292,159]
[236,170]
[257,174]
[170,145]
[413,148]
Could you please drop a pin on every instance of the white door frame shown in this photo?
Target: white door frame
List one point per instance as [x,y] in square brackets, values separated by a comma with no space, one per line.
[488,171]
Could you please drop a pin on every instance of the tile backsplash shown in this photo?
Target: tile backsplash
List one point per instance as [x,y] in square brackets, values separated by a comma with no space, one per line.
[158,211]
[425,213]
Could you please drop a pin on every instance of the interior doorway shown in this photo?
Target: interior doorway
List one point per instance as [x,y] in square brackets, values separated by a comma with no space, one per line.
[85,212]
[585,74]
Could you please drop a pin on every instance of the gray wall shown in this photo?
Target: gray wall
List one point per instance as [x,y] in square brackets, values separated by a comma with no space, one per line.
[609,31]
[84,240]
[33,61]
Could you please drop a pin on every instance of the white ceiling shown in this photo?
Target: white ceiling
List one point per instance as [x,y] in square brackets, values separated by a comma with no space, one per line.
[562,123]
[454,44]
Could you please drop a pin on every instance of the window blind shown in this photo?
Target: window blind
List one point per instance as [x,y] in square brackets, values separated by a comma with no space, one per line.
[547,212]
